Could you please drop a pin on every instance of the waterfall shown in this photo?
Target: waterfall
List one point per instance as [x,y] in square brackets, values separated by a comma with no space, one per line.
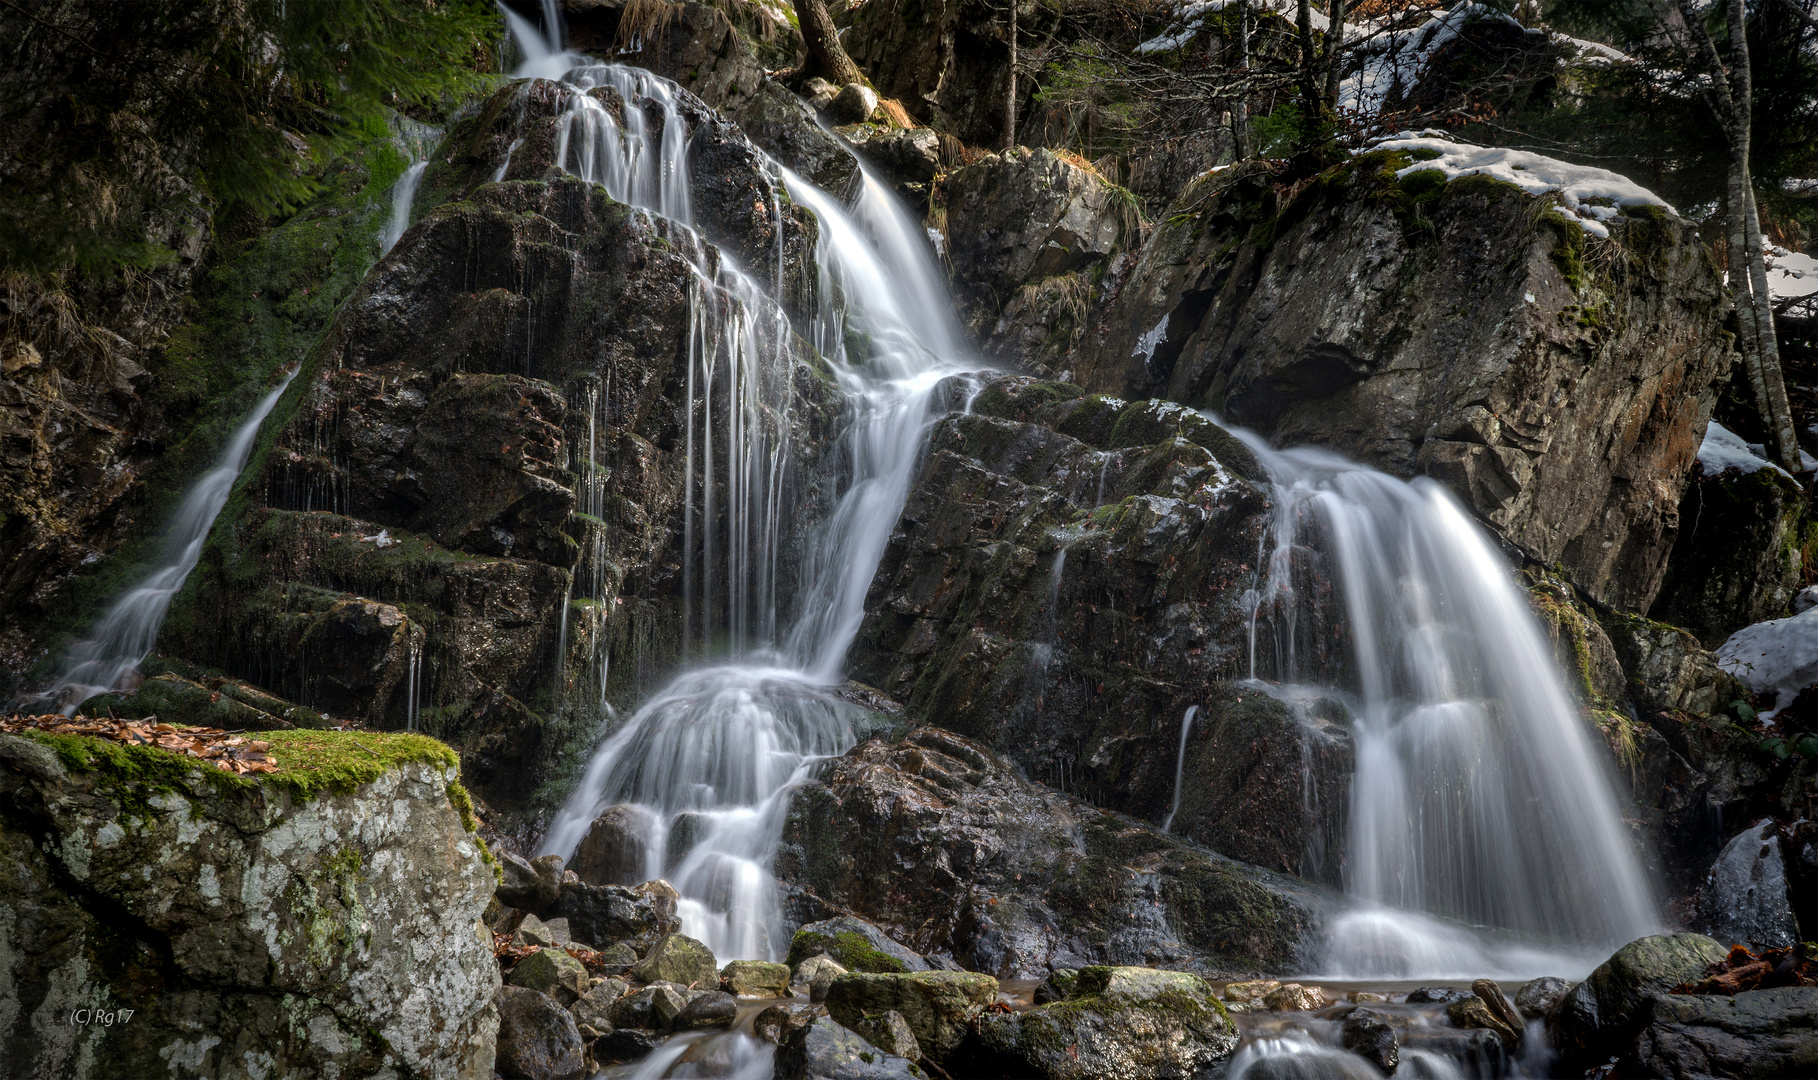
[1478,797]
[711,758]
[126,633]
[1180,759]
[403,193]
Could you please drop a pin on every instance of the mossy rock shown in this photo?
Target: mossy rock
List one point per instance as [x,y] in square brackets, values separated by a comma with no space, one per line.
[938,1006]
[679,959]
[755,978]
[1123,1023]
[551,971]
[855,944]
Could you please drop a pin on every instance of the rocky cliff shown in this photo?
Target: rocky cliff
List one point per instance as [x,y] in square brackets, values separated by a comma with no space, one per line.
[165,918]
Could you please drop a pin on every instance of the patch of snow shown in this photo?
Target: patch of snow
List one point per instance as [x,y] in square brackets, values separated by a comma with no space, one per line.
[1724,449]
[1146,345]
[1790,274]
[1394,61]
[382,538]
[1190,17]
[1593,52]
[1780,655]
[1535,174]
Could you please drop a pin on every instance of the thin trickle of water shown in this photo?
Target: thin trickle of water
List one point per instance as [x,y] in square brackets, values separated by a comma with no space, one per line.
[125,635]
[403,194]
[414,689]
[1180,760]
[1477,796]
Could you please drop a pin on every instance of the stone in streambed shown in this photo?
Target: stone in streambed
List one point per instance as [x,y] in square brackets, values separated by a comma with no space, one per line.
[938,1005]
[1122,1024]
[1254,990]
[1603,1014]
[1293,997]
[1437,995]
[818,973]
[854,104]
[1371,1035]
[1058,986]
[612,852]
[594,1008]
[775,1024]
[755,978]
[538,1039]
[856,944]
[628,1044]
[1475,1012]
[552,972]
[1537,997]
[605,915]
[712,1009]
[824,1050]
[679,959]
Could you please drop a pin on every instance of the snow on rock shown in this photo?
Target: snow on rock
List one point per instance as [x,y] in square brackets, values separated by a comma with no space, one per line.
[1724,449]
[1190,17]
[1790,274]
[1593,52]
[1536,174]
[1779,655]
[1395,60]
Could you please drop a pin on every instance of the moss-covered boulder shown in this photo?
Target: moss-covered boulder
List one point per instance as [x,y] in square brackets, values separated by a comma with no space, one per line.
[938,1006]
[679,959]
[323,918]
[1602,1015]
[538,1039]
[755,978]
[855,945]
[1120,1023]
[551,971]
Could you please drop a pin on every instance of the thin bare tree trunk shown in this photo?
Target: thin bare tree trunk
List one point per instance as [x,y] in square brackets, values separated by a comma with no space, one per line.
[826,57]
[1241,125]
[1309,87]
[1335,34]
[1010,85]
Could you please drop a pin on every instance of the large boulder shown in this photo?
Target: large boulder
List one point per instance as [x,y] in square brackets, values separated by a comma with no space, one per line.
[678,959]
[1120,1023]
[1335,320]
[939,840]
[1602,1015]
[614,850]
[311,928]
[538,1039]
[854,944]
[1746,896]
[755,978]
[1755,1034]
[825,1050]
[939,1006]
[784,126]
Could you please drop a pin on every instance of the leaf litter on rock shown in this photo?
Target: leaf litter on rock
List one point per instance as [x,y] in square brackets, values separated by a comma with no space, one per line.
[225,750]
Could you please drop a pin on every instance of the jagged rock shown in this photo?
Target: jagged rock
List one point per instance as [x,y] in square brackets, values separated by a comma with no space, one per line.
[1537,997]
[775,1024]
[1058,986]
[937,839]
[1123,1024]
[855,945]
[889,1032]
[1371,1035]
[755,978]
[1755,1034]
[679,959]
[784,126]
[260,911]
[1332,321]
[854,104]
[594,1008]
[1746,896]
[612,852]
[552,972]
[1018,219]
[817,973]
[654,1008]
[938,1005]
[713,1009]
[532,931]
[908,158]
[1741,563]
[824,1050]
[605,916]
[538,1039]
[1475,1012]
[739,207]
[1602,1015]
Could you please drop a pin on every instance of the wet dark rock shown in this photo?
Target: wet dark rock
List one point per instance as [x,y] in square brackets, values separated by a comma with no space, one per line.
[824,1050]
[628,1044]
[939,1006]
[1122,1024]
[817,974]
[784,126]
[612,852]
[907,158]
[532,886]
[714,1009]
[607,915]
[1476,1012]
[1537,997]
[1741,564]
[737,206]
[1602,1015]
[939,842]
[1478,1052]
[594,1008]
[778,1022]
[697,45]
[855,945]
[854,104]
[1058,986]
[1332,321]
[538,1039]
[1755,1034]
[1437,995]
[1371,1035]
[1746,897]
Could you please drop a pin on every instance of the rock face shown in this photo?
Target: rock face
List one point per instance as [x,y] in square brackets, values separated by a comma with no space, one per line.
[1568,421]
[1746,897]
[1737,560]
[1756,1034]
[697,45]
[1120,1023]
[825,1050]
[1601,1017]
[1025,229]
[940,842]
[522,343]
[249,927]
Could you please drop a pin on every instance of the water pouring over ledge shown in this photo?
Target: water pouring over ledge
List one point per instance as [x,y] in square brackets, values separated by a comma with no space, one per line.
[1478,799]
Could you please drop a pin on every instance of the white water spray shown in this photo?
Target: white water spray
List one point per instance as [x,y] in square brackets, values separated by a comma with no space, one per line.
[125,635]
[1180,759]
[403,194]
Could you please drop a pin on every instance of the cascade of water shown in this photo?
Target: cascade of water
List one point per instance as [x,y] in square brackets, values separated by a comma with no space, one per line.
[1180,759]
[1477,796]
[403,193]
[125,635]
[712,757]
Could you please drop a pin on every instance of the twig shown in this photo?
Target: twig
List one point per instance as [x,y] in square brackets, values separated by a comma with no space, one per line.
[366,748]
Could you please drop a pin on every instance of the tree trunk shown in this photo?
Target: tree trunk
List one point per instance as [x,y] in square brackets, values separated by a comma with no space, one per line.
[1785,438]
[1335,35]
[1010,85]
[1240,135]
[1309,86]
[826,57]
